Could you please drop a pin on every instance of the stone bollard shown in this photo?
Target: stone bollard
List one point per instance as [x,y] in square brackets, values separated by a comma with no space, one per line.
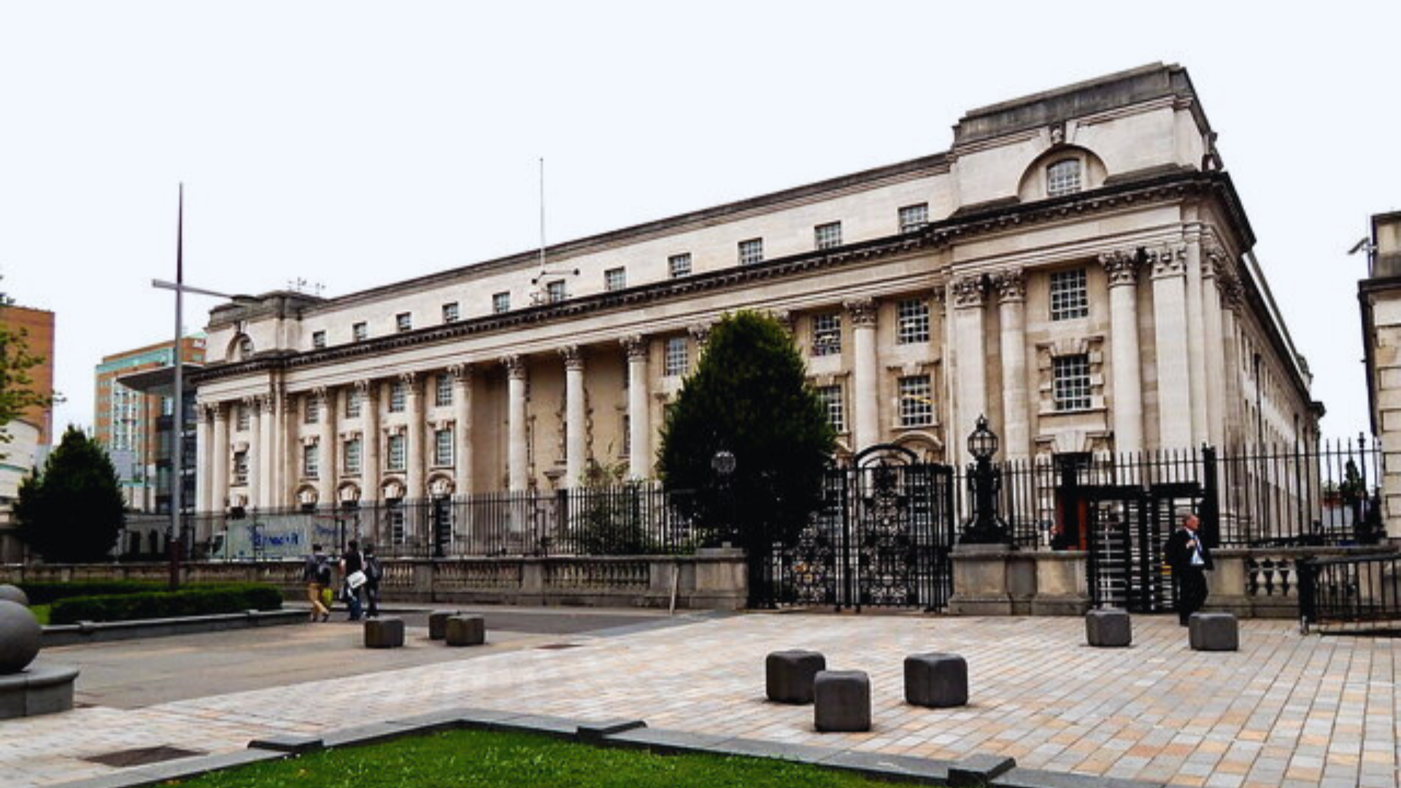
[465,631]
[936,680]
[19,637]
[842,701]
[384,633]
[1108,628]
[438,623]
[788,675]
[1213,632]
[9,593]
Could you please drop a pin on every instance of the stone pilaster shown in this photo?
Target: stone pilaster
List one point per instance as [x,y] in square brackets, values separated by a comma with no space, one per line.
[862,312]
[267,459]
[370,462]
[219,464]
[414,476]
[1170,332]
[639,429]
[1127,375]
[970,353]
[1196,338]
[575,436]
[462,428]
[327,448]
[1213,261]
[202,458]
[1011,305]
[517,455]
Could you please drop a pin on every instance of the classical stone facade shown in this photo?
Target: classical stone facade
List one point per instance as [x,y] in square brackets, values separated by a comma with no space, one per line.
[1380,298]
[1077,266]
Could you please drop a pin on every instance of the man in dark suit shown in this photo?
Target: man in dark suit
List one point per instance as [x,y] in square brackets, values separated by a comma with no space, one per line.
[1189,558]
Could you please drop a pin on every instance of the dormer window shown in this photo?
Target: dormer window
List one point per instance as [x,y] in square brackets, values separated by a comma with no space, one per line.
[1063,177]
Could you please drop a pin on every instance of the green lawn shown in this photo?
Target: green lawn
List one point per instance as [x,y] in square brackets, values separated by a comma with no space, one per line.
[483,759]
[40,612]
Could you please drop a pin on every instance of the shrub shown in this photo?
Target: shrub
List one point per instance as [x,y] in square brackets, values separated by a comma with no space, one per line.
[42,593]
[191,601]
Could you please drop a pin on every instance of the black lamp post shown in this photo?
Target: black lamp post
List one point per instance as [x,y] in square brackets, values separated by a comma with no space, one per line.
[984,526]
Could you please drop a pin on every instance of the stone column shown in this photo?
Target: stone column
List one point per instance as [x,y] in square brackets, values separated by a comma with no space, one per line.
[267,461]
[1196,339]
[279,472]
[414,476]
[1214,259]
[1124,355]
[943,294]
[462,428]
[639,429]
[1170,333]
[326,474]
[254,457]
[517,456]
[575,444]
[1230,290]
[219,464]
[970,355]
[370,437]
[288,445]
[700,335]
[865,372]
[202,456]
[1011,306]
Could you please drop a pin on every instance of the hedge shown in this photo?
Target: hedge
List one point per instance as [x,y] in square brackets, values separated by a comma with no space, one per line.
[197,601]
[43,593]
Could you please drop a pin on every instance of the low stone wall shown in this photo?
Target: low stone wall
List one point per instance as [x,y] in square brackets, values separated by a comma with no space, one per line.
[709,580]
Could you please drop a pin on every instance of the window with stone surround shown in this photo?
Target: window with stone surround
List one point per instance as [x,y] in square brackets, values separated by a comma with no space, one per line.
[354,401]
[398,452]
[1070,380]
[500,302]
[1069,294]
[311,461]
[913,217]
[912,321]
[350,455]
[555,292]
[828,235]
[398,396]
[679,265]
[240,468]
[442,447]
[615,279]
[830,397]
[450,312]
[312,408]
[916,401]
[827,334]
[442,390]
[360,332]
[318,340]
[1063,177]
[677,359]
[403,321]
[751,251]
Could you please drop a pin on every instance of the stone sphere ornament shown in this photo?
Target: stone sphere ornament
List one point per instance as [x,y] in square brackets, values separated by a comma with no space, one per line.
[19,637]
[9,593]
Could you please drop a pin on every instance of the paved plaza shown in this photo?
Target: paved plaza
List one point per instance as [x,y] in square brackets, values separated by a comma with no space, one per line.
[1284,710]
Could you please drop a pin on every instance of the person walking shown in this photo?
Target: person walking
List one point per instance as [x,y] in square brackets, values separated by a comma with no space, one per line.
[317,576]
[353,572]
[373,574]
[1190,559]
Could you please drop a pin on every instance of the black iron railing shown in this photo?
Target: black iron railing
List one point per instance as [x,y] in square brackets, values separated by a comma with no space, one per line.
[1356,593]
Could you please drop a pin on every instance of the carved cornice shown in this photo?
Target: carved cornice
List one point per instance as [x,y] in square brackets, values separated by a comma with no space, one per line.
[862,311]
[573,357]
[515,366]
[1011,285]
[1167,260]
[635,345]
[1121,266]
[969,291]
[1214,259]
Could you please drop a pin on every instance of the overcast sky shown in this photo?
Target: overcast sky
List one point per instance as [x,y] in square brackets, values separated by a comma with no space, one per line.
[355,144]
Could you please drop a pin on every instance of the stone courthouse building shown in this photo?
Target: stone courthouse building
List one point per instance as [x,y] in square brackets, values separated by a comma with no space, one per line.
[1077,266]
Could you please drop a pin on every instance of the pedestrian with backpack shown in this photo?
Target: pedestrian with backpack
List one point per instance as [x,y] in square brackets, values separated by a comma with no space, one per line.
[353,570]
[316,573]
[373,574]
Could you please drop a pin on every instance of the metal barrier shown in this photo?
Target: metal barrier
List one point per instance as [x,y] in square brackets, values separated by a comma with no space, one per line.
[1360,593]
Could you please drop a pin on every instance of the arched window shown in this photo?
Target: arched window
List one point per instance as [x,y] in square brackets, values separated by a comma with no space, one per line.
[1063,177]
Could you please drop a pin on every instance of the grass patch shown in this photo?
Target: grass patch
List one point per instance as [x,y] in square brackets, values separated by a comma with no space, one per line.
[489,759]
[41,612]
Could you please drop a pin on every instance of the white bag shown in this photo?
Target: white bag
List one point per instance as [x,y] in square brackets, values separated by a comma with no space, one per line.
[355,579]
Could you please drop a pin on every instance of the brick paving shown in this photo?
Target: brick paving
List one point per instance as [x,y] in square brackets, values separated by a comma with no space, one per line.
[1286,710]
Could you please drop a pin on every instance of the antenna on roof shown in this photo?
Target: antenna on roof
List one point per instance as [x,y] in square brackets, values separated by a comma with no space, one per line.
[541,295]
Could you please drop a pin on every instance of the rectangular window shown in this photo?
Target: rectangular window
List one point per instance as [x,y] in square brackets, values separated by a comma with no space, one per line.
[751,251]
[450,312]
[442,448]
[403,321]
[318,340]
[360,331]
[311,461]
[398,454]
[1069,299]
[311,410]
[240,464]
[679,265]
[1063,177]
[827,334]
[828,235]
[398,395]
[676,359]
[241,417]
[555,292]
[442,392]
[1071,382]
[350,453]
[831,399]
[914,217]
[916,401]
[354,400]
[912,324]
[500,302]
[615,279]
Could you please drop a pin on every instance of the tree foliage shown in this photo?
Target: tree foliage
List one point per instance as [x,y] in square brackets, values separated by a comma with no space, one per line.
[72,510]
[17,392]
[749,396]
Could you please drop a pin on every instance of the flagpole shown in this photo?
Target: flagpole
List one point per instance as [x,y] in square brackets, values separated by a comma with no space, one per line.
[176,542]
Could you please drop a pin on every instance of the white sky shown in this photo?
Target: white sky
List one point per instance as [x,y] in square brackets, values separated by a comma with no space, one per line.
[356,144]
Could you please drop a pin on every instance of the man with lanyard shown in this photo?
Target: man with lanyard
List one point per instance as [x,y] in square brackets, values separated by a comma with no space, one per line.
[353,570]
[1189,558]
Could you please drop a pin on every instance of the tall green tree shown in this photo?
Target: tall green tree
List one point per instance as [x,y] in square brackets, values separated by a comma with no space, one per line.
[72,510]
[17,392]
[748,396]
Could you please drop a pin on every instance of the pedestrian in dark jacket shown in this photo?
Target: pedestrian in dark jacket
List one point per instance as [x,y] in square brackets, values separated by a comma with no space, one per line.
[374,572]
[353,578]
[1190,559]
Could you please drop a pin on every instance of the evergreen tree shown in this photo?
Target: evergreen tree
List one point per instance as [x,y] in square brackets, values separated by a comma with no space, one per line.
[72,511]
[748,396]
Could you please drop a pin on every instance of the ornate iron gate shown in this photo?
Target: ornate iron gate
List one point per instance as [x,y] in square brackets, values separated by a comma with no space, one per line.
[881,537]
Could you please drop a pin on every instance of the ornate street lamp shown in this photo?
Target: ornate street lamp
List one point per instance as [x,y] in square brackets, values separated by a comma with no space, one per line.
[984,526]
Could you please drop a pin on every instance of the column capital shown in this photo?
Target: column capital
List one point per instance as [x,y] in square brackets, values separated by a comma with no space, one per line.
[215,409]
[970,290]
[1215,262]
[1167,260]
[573,357]
[862,311]
[366,387]
[318,392]
[1011,285]
[461,373]
[1232,292]
[636,347]
[515,366]
[785,318]
[1122,266]
[700,332]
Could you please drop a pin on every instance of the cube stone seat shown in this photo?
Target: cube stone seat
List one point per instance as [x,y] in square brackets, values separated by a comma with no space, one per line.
[842,701]
[438,623]
[1108,628]
[936,680]
[384,633]
[465,631]
[788,675]
[1213,632]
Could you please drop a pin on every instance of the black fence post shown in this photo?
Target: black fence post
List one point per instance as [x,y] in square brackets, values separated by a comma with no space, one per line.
[1308,589]
[1210,510]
